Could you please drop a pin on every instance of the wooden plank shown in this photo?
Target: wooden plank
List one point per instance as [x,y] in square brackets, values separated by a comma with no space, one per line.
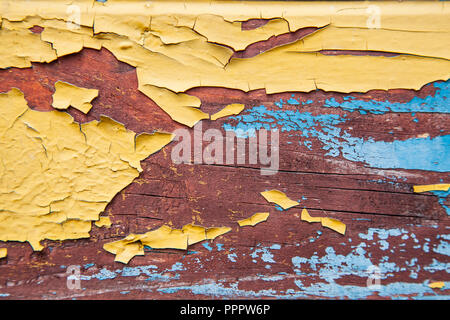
[403,233]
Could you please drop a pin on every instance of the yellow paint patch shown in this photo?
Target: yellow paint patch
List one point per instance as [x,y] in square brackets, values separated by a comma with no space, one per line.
[254,219]
[3,253]
[162,238]
[67,95]
[437,285]
[67,41]
[231,109]
[331,223]
[279,198]
[21,47]
[432,187]
[58,175]
[306,217]
[103,222]
[430,44]
[180,107]
[216,29]
[214,232]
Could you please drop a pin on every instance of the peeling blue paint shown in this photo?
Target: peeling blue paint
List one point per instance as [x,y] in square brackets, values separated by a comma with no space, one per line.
[271,277]
[293,101]
[382,233]
[103,274]
[266,255]
[443,248]
[438,103]
[416,153]
[207,246]
[177,266]
[397,290]
[88,265]
[232,257]
[442,198]
[384,245]
[436,265]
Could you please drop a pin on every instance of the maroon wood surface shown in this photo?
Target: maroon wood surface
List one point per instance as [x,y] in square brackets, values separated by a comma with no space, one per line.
[218,195]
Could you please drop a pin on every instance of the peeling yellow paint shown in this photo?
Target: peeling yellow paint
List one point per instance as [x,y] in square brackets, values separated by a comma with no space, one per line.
[279,198]
[306,217]
[103,222]
[334,224]
[178,45]
[331,223]
[3,253]
[216,29]
[58,175]
[21,47]
[231,109]
[254,219]
[180,107]
[162,238]
[67,95]
[429,44]
[432,187]
[64,174]
[437,285]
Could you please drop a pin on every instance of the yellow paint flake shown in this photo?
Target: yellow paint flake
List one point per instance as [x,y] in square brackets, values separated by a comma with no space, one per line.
[162,238]
[217,30]
[254,219]
[194,233]
[334,224]
[66,41]
[279,198]
[67,95]
[331,223]
[212,233]
[306,217]
[430,44]
[432,187]
[57,176]
[21,47]
[180,107]
[64,174]
[3,252]
[129,251]
[231,109]
[103,222]
[437,285]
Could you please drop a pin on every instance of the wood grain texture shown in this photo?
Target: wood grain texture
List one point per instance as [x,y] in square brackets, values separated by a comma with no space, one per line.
[403,233]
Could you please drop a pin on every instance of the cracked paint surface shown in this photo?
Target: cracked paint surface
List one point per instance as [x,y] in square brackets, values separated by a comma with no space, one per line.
[176,50]
[57,175]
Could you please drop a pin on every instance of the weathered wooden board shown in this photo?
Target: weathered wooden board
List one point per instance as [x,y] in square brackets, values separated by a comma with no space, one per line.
[404,234]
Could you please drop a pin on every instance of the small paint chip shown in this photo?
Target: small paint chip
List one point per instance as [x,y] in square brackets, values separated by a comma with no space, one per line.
[67,95]
[437,285]
[254,219]
[162,238]
[103,222]
[432,187]
[279,198]
[231,109]
[3,253]
[331,223]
